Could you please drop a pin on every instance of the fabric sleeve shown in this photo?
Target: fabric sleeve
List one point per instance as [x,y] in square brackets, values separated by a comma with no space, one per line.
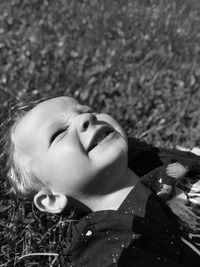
[143,158]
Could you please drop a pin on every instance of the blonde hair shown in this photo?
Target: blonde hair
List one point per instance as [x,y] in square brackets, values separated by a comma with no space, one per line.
[20,181]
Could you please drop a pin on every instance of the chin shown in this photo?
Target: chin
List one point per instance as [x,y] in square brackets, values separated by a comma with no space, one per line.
[116,157]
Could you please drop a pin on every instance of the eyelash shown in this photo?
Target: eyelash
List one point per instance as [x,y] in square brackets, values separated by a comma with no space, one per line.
[54,136]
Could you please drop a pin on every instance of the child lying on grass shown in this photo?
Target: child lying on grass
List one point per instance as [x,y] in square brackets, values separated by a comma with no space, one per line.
[64,154]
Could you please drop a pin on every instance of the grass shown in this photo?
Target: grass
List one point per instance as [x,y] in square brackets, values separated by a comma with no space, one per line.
[137,60]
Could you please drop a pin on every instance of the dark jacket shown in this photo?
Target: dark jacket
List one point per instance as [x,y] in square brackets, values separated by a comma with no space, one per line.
[142,232]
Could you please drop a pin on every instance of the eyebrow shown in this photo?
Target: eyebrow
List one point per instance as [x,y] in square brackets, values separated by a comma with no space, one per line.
[84,108]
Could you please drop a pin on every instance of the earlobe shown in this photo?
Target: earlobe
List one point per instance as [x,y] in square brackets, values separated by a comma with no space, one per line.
[51,202]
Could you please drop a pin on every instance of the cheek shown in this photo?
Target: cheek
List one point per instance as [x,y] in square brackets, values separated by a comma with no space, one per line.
[68,173]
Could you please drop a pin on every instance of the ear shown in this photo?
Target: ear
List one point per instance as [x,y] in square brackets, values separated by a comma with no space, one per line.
[48,201]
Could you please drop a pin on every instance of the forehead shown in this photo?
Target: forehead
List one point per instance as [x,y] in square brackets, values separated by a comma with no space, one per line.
[49,107]
[58,103]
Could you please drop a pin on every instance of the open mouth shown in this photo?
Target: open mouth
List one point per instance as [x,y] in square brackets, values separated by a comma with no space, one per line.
[99,136]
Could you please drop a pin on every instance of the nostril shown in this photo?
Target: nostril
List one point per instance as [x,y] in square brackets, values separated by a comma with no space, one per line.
[87,120]
[94,118]
[85,125]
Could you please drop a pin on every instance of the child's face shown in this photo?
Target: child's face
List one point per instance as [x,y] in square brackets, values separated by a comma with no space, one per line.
[72,150]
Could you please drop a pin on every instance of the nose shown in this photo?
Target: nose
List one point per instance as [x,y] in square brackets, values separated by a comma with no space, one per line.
[86,120]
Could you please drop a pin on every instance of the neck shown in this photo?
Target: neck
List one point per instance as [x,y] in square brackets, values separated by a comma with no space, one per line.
[113,200]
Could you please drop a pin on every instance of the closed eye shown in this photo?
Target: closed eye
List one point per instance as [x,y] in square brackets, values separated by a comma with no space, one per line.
[56,134]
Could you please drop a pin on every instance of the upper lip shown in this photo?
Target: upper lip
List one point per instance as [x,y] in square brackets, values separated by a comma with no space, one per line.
[98,132]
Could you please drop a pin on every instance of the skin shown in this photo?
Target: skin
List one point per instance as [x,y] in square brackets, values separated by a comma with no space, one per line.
[99,178]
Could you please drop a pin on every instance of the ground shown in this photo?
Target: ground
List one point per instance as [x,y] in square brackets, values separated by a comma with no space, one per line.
[137,60]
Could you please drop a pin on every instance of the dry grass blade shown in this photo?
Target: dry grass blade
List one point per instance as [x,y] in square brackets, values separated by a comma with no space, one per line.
[51,263]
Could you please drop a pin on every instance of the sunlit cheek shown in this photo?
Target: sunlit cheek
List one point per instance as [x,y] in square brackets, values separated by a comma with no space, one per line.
[71,173]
